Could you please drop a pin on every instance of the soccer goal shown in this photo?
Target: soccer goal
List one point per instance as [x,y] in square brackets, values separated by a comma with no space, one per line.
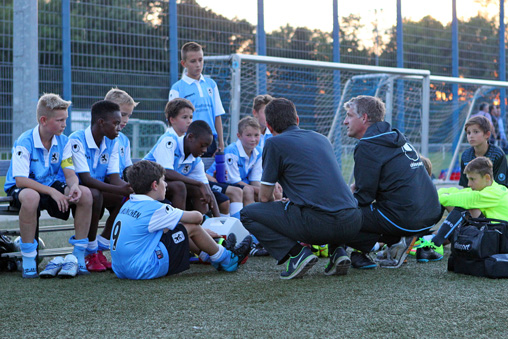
[319,90]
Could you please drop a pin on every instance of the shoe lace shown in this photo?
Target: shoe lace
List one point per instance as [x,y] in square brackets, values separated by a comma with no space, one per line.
[68,265]
[51,266]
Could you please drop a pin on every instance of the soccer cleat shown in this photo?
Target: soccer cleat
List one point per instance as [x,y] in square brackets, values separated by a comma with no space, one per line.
[103,260]
[297,266]
[230,242]
[258,251]
[418,243]
[93,264]
[398,252]
[69,267]
[339,262]
[426,254]
[52,268]
[320,250]
[232,266]
[242,250]
[362,260]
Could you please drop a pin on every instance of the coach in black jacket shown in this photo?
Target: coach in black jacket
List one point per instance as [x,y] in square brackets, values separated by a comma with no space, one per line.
[392,187]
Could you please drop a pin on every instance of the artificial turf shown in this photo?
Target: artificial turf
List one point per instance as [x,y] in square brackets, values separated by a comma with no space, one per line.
[415,301]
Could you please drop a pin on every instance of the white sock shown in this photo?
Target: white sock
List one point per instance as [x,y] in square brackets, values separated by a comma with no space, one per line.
[235,207]
[92,245]
[204,257]
[428,237]
[215,257]
[102,242]
[224,215]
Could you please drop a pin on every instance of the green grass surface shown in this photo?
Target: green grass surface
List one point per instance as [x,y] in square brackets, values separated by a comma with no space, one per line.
[414,301]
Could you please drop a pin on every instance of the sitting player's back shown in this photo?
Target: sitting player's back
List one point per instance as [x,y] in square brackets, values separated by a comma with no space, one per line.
[138,254]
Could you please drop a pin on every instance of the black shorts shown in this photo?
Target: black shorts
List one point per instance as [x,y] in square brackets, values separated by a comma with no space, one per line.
[176,242]
[46,202]
[219,191]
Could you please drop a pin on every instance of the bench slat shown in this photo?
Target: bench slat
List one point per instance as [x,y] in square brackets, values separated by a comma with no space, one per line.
[42,229]
[51,252]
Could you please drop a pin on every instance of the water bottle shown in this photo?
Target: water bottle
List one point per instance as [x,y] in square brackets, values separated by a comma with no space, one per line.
[220,166]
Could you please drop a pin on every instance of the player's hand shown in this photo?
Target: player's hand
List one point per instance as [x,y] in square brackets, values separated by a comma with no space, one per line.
[213,179]
[74,194]
[206,194]
[212,233]
[61,200]
[126,190]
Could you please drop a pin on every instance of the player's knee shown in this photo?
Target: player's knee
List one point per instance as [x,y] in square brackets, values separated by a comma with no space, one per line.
[29,199]
[86,200]
[177,188]
[97,199]
[235,193]
[224,207]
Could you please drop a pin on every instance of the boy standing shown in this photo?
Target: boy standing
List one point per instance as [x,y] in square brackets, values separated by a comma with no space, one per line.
[180,156]
[95,156]
[478,134]
[484,197]
[151,239]
[202,92]
[41,175]
[243,160]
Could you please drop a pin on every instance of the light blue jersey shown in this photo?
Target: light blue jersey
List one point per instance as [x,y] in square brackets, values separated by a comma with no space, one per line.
[240,167]
[98,161]
[169,153]
[203,94]
[136,250]
[124,152]
[264,137]
[30,159]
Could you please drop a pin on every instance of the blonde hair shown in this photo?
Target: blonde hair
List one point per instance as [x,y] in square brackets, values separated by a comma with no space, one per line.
[49,103]
[120,97]
[260,100]
[246,122]
[480,165]
[427,163]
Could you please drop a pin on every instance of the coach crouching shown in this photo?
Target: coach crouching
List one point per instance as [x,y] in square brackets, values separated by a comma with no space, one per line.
[320,208]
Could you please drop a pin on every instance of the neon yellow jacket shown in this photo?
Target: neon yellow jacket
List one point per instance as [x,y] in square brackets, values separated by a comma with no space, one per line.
[492,200]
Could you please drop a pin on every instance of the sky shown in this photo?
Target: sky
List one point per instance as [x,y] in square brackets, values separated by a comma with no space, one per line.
[319,13]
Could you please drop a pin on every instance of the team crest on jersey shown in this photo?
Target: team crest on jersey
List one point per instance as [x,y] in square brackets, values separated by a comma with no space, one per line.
[210,92]
[169,144]
[55,157]
[122,151]
[104,158]
[19,154]
[501,177]
[178,237]
[230,161]
[186,169]
[75,148]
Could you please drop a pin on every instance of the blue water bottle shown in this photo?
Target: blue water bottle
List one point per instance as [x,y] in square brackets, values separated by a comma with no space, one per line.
[220,166]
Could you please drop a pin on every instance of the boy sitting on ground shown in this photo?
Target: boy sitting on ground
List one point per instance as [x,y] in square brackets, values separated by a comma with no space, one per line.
[95,156]
[180,156]
[484,197]
[151,239]
[243,160]
[179,113]
[41,175]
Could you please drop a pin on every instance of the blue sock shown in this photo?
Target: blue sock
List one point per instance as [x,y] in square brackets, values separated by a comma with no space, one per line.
[92,248]
[225,258]
[236,215]
[254,239]
[80,246]
[29,253]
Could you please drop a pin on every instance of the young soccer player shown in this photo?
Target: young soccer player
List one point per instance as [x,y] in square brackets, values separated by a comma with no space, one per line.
[258,111]
[243,160]
[95,155]
[180,156]
[202,92]
[484,197]
[478,133]
[151,239]
[127,105]
[41,175]
[179,113]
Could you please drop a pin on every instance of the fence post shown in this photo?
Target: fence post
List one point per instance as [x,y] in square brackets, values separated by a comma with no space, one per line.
[336,54]
[502,60]
[455,73]
[25,82]
[400,63]
[261,48]
[66,59]
[173,43]
[236,90]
